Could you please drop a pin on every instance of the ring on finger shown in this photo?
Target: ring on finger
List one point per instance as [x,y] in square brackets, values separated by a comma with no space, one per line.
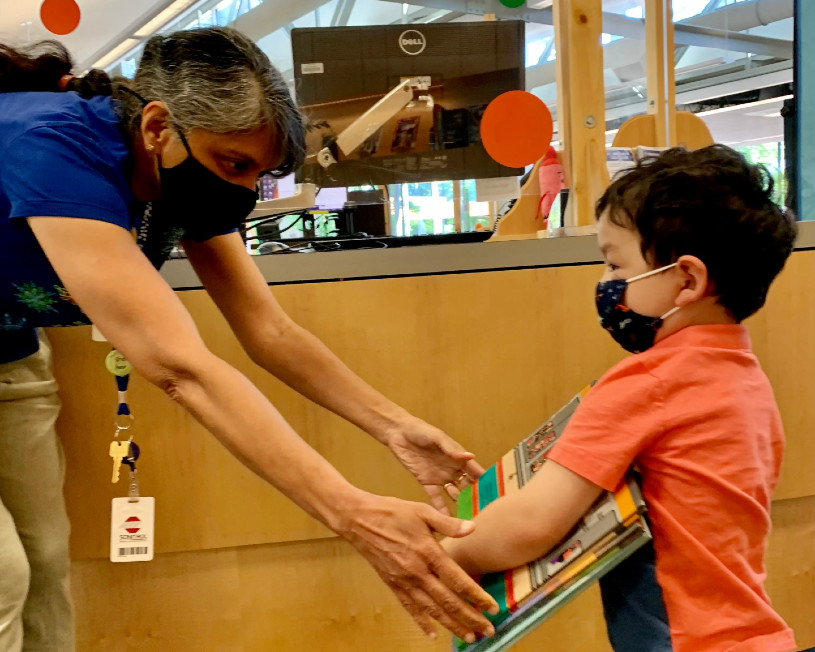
[464,476]
[448,485]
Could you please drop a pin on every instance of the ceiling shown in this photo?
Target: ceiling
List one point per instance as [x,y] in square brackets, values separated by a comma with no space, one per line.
[105,23]
[754,123]
[102,22]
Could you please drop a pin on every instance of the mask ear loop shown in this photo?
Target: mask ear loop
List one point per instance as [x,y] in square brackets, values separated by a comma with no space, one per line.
[146,102]
[651,273]
[133,93]
[669,313]
[184,142]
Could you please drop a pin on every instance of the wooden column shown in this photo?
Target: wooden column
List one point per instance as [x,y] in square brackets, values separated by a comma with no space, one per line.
[581,106]
[457,206]
[659,54]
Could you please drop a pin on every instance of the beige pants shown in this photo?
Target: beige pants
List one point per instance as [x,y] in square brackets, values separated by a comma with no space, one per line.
[35,603]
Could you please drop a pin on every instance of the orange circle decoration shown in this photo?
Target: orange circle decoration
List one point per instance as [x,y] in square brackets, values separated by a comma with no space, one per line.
[60,17]
[516,129]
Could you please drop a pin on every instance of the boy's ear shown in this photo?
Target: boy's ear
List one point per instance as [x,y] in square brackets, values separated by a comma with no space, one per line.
[695,280]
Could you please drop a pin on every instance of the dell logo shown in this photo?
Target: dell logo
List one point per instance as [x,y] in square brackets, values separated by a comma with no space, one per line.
[412,42]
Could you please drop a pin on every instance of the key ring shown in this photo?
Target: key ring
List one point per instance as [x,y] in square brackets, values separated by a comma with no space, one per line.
[123,422]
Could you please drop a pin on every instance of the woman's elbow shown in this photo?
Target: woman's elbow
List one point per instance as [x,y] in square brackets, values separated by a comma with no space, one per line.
[176,376]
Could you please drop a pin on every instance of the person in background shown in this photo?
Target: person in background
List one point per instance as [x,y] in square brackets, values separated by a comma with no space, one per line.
[691,241]
[97,185]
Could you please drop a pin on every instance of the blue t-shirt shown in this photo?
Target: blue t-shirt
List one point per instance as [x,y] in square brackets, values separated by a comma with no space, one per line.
[60,155]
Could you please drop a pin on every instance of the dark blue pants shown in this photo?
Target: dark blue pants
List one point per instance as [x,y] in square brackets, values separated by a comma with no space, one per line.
[634,609]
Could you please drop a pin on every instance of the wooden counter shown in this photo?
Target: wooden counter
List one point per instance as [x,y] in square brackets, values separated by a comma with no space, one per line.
[484,355]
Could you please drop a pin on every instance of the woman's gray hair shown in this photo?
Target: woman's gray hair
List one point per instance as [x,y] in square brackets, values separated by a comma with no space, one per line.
[218,80]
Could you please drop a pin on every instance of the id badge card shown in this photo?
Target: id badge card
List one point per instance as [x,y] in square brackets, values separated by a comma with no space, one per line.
[131,529]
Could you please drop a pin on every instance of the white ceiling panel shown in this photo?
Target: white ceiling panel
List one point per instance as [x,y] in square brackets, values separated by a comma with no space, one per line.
[101,25]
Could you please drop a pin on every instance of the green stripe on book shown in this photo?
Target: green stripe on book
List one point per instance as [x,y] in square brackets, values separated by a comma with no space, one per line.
[487,487]
[492,583]
[465,504]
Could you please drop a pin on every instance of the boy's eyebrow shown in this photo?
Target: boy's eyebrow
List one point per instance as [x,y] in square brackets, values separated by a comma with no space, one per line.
[605,248]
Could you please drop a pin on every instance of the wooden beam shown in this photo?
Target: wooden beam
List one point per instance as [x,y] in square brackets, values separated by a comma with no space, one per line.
[456,206]
[581,106]
[659,54]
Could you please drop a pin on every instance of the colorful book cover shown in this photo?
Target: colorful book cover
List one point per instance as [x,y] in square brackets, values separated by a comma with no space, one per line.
[612,529]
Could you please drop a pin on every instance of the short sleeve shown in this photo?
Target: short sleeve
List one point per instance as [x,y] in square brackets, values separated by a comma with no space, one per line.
[618,419]
[64,172]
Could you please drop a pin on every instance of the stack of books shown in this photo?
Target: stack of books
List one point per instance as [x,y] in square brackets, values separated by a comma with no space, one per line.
[612,529]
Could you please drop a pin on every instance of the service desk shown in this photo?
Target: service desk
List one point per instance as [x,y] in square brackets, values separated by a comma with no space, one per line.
[484,340]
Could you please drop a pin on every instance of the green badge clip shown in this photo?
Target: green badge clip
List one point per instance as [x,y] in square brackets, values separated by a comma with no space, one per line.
[117,364]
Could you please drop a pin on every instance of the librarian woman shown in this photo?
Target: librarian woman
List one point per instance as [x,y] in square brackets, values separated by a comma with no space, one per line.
[176,154]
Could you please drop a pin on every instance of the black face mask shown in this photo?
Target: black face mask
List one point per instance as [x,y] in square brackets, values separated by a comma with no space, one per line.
[199,201]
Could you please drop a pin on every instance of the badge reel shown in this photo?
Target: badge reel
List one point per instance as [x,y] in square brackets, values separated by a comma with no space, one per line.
[132,518]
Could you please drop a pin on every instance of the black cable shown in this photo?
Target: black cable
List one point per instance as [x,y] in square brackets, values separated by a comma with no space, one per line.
[268,238]
[297,221]
[261,221]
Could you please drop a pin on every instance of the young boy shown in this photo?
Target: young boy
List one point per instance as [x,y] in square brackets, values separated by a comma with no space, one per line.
[691,241]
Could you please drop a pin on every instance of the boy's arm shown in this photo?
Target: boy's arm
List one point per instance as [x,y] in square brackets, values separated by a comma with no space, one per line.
[527,524]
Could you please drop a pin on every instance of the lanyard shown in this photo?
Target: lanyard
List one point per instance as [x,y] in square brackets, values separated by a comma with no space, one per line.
[132,519]
[123,451]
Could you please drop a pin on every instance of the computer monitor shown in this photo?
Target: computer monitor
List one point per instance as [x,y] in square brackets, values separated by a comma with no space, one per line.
[341,72]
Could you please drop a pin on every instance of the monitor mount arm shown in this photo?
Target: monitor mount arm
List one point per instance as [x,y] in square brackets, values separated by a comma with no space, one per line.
[366,125]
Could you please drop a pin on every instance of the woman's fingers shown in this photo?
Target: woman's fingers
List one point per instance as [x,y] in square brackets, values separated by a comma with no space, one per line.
[436,495]
[396,537]
[430,610]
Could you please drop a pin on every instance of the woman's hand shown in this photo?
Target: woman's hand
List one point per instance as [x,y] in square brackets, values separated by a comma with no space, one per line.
[437,461]
[396,537]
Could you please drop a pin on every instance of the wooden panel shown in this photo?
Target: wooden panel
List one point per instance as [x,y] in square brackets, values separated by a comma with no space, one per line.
[692,132]
[791,566]
[320,595]
[316,595]
[783,335]
[521,221]
[430,343]
[484,356]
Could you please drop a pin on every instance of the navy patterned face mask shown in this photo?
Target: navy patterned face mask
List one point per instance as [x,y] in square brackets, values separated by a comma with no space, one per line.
[631,330]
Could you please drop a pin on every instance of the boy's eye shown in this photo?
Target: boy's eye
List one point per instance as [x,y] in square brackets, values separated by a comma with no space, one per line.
[612,267]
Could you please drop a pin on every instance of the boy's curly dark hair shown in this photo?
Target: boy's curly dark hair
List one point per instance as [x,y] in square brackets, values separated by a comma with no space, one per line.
[713,204]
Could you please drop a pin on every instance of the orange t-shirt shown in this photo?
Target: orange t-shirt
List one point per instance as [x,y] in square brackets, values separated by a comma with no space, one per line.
[697,415]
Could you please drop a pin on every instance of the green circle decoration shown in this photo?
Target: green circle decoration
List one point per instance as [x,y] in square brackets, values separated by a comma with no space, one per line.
[117,364]
[513,4]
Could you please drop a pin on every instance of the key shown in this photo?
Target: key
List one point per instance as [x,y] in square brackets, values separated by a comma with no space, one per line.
[118,451]
[132,455]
